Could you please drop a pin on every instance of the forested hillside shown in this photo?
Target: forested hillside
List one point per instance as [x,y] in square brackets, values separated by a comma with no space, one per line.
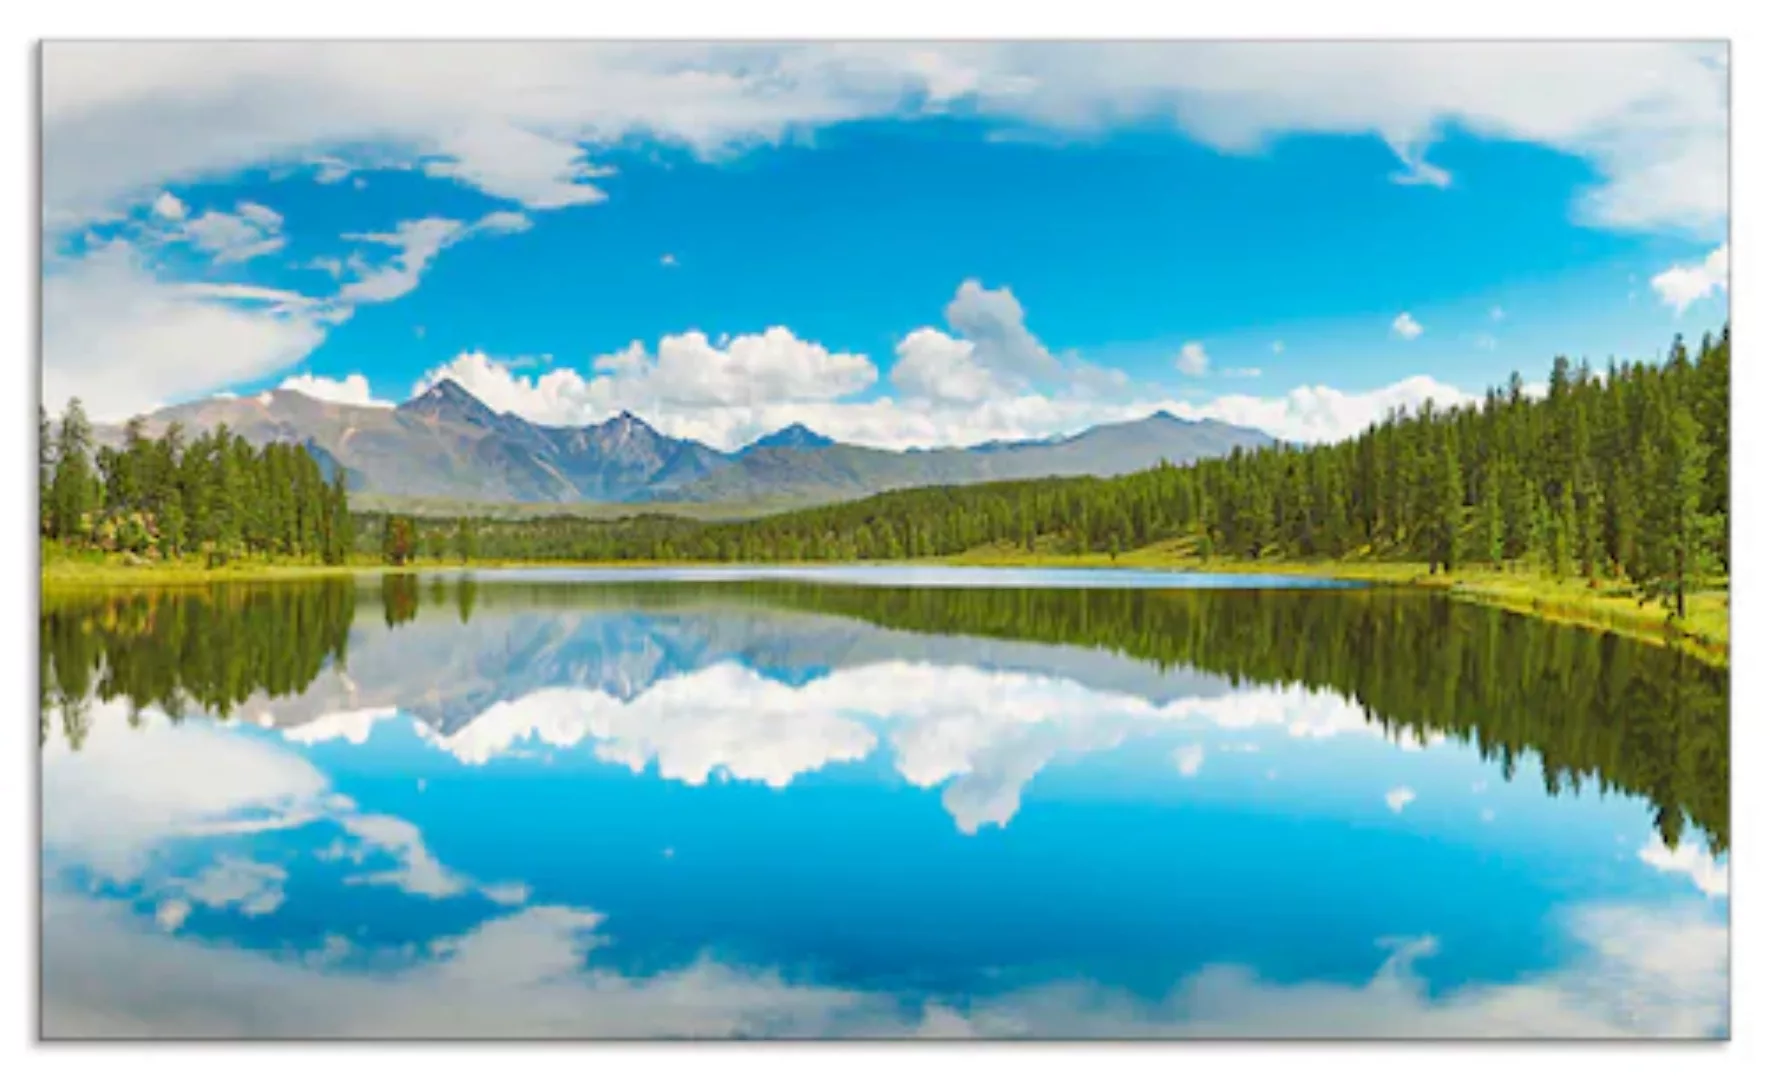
[1621,475]
[216,495]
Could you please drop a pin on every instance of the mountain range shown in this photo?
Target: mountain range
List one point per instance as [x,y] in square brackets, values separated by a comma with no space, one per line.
[446,443]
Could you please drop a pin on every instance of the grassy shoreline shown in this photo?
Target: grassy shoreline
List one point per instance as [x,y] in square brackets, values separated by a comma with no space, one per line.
[1703,634]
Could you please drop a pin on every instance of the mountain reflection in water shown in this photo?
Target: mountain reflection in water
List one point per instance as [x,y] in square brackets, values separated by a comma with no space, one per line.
[506,806]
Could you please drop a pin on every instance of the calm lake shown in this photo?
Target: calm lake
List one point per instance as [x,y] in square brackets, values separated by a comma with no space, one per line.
[871,803]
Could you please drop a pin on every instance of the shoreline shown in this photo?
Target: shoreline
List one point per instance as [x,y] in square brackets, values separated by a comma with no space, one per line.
[1703,635]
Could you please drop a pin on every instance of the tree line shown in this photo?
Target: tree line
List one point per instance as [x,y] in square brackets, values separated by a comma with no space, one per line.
[1621,475]
[212,494]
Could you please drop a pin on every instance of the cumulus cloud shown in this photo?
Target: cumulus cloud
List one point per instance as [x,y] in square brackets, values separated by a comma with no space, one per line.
[938,367]
[1192,359]
[1684,284]
[1398,798]
[122,119]
[169,206]
[1189,759]
[1693,860]
[1322,413]
[1406,327]
[958,404]
[688,376]
[350,390]
[990,354]
[990,379]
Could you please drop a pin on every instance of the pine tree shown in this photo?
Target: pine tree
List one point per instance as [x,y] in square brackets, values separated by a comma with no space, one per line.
[1562,525]
[74,493]
[1682,536]
[466,546]
[398,541]
[45,470]
[343,540]
[1442,530]
[1493,524]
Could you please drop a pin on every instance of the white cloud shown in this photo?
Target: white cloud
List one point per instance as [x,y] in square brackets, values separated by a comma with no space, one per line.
[935,366]
[1321,413]
[250,231]
[122,119]
[1406,328]
[979,735]
[667,259]
[942,406]
[989,354]
[169,206]
[533,972]
[1189,759]
[990,380]
[124,341]
[1399,798]
[114,806]
[111,804]
[415,244]
[993,321]
[250,887]
[1691,859]
[1633,972]
[171,914]
[688,726]
[330,170]
[415,869]
[688,378]
[350,390]
[1630,972]
[1685,283]
[1192,359]
[353,726]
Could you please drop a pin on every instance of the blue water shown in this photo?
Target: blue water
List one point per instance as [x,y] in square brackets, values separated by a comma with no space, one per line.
[711,819]
[925,577]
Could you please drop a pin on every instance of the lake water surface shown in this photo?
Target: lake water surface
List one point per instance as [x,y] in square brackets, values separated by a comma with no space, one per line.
[871,802]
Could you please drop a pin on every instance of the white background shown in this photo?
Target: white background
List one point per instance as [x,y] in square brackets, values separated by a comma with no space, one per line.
[708,19]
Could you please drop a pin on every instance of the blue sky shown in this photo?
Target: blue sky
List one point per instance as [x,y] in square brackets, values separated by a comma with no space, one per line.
[897,245]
